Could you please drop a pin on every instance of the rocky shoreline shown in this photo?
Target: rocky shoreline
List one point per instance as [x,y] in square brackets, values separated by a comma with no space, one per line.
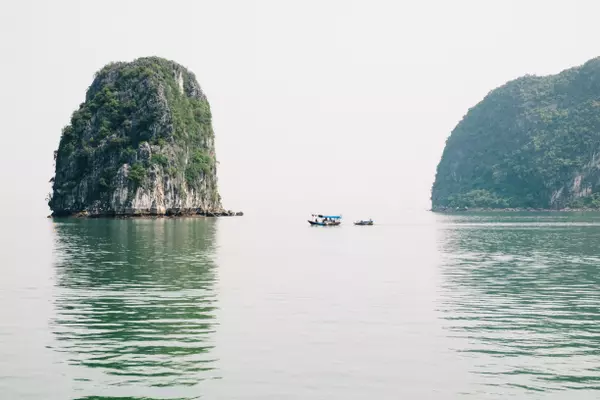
[449,210]
[148,213]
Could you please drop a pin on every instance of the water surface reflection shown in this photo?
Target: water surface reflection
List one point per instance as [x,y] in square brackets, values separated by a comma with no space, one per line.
[521,299]
[135,306]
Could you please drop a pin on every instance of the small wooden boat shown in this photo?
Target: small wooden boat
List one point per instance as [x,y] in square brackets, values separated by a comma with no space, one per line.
[364,222]
[325,220]
[325,223]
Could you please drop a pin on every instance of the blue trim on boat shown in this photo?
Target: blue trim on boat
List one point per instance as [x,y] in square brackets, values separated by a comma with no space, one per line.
[328,216]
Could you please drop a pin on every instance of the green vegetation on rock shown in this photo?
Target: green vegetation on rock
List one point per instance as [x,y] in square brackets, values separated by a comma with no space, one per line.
[199,164]
[532,143]
[144,126]
[137,173]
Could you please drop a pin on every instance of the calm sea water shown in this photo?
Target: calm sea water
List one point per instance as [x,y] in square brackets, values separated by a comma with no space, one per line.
[419,307]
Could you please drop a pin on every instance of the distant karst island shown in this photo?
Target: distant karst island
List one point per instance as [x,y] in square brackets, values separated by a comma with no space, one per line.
[142,144]
[531,144]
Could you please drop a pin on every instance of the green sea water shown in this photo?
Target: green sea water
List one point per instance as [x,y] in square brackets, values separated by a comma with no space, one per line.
[420,306]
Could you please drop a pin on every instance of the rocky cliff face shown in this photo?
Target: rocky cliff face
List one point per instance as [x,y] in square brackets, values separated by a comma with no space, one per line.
[141,144]
[531,143]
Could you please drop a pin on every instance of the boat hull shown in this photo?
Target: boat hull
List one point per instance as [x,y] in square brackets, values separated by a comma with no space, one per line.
[315,223]
[363,223]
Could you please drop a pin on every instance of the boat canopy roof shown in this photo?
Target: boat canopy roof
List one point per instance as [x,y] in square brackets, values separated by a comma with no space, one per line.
[328,216]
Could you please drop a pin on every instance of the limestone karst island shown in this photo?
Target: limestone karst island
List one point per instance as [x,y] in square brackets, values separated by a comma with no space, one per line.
[533,143]
[142,144]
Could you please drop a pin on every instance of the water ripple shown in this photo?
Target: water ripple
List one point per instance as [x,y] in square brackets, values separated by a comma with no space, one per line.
[133,310]
[523,304]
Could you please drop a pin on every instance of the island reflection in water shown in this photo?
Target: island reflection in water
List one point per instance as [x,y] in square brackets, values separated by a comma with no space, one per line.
[520,297]
[135,306]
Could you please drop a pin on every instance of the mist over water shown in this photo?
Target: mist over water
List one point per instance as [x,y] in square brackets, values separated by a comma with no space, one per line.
[328,107]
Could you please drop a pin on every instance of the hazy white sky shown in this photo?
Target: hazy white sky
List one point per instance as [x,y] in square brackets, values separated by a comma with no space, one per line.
[326,106]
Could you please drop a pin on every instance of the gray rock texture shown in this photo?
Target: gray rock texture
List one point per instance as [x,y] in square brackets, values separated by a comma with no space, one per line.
[142,143]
